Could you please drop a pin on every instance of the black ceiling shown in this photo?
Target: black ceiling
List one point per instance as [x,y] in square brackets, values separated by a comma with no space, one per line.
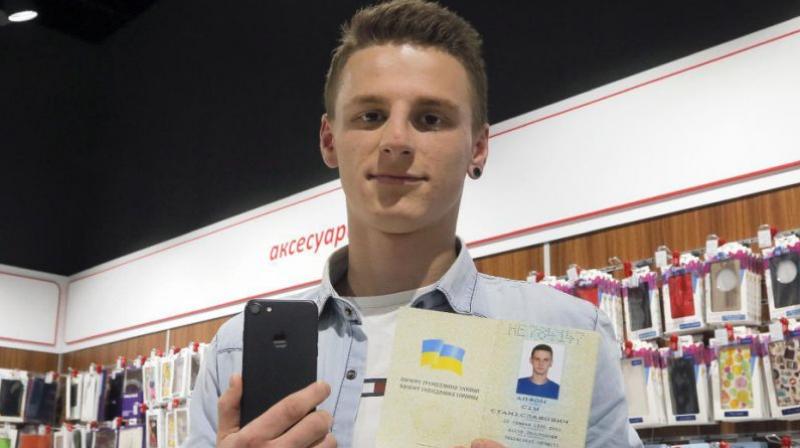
[126,123]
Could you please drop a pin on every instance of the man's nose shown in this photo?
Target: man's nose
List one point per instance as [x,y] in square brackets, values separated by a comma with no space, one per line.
[397,137]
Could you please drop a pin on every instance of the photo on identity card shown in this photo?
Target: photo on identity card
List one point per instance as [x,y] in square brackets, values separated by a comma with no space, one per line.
[540,368]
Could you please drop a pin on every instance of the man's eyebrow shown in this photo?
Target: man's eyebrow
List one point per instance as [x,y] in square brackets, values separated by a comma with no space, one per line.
[437,102]
[424,101]
[366,99]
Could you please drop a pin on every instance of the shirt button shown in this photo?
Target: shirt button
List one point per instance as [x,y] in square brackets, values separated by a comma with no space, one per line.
[351,374]
[348,312]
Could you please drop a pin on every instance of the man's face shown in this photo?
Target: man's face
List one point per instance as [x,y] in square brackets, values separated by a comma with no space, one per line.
[541,360]
[402,136]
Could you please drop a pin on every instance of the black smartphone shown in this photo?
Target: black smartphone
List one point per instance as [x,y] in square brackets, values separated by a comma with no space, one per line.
[279,352]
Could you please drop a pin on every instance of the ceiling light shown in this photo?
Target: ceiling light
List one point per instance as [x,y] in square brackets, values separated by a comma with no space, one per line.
[20,10]
[23,16]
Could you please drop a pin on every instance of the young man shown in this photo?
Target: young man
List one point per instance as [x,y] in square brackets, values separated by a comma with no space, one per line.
[405,123]
[538,384]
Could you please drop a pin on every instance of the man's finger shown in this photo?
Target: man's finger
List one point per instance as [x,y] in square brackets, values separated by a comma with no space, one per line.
[484,443]
[284,414]
[314,426]
[228,408]
[326,442]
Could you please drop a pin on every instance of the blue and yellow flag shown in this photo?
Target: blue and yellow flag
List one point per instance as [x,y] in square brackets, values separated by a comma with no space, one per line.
[440,356]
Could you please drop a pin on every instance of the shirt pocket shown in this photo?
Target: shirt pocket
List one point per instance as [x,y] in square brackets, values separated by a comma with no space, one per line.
[229,361]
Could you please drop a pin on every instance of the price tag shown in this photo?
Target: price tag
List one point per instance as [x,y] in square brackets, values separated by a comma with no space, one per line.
[661,259]
[711,247]
[775,331]
[764,238]
[572,274]
[633,281]
[721,334]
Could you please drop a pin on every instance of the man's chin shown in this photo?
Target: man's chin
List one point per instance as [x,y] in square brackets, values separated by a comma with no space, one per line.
[398,222]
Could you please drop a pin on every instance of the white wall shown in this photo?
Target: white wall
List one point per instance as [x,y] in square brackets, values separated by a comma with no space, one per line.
[31,308]
[713,126]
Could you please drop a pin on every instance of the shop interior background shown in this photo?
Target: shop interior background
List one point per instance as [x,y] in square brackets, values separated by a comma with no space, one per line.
[129,127]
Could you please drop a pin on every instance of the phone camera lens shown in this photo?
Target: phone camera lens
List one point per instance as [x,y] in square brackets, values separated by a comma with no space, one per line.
[254,308]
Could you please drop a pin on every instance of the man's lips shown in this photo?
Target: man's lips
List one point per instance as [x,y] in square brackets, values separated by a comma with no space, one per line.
[395,179]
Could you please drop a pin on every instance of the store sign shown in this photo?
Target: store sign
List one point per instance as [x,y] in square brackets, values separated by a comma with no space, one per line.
[311,242]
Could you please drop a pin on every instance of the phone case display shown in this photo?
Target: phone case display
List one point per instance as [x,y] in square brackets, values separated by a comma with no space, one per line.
[151,379]
[8,436]
[782,370]
[131,437]
[171,430]
[60,439]
[642,377]
[733,286]
[683,295]
[83,437]
[167,373]
[74,396]
[642,305]
[782,274]
[93,385]
[13,389]
[42,396]
[198,351]
[587,286]
[35,441]
[112,400]
[105,438]
[132,395]
[181,425]
[737,378]
[688,399]
[181,363]
[565,286]
[603,291]
[154,424]
[71,437]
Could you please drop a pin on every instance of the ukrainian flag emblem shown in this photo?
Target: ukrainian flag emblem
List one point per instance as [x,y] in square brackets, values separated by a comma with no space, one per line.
[440,356]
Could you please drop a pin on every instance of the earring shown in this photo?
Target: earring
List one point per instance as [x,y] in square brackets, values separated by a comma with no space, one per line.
[476,172]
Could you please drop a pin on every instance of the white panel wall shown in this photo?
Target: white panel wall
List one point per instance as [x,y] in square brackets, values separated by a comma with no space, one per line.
[29,309]
[713,126]
[711,117]
[211,269]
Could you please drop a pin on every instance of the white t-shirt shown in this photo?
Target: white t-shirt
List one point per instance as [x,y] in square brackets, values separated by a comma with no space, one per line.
[379,319]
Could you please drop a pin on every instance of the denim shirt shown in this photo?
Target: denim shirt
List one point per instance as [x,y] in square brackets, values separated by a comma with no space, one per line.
[343,347]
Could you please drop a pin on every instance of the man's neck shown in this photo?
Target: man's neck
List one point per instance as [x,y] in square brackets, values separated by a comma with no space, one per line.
[539,379]
[381,263]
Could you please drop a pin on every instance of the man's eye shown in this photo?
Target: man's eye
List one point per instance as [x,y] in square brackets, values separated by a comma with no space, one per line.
[370,117]
[431,120]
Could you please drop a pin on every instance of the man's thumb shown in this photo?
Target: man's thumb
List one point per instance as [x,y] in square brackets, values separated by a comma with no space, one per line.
[228,408]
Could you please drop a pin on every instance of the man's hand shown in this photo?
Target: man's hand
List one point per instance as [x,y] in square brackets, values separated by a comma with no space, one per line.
[483,443]
[286,424]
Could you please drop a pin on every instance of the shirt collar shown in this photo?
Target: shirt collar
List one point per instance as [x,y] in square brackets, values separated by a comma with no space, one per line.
[457,285]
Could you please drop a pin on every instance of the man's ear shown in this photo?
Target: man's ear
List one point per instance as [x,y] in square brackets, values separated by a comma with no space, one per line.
[480,152]
[326,144]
